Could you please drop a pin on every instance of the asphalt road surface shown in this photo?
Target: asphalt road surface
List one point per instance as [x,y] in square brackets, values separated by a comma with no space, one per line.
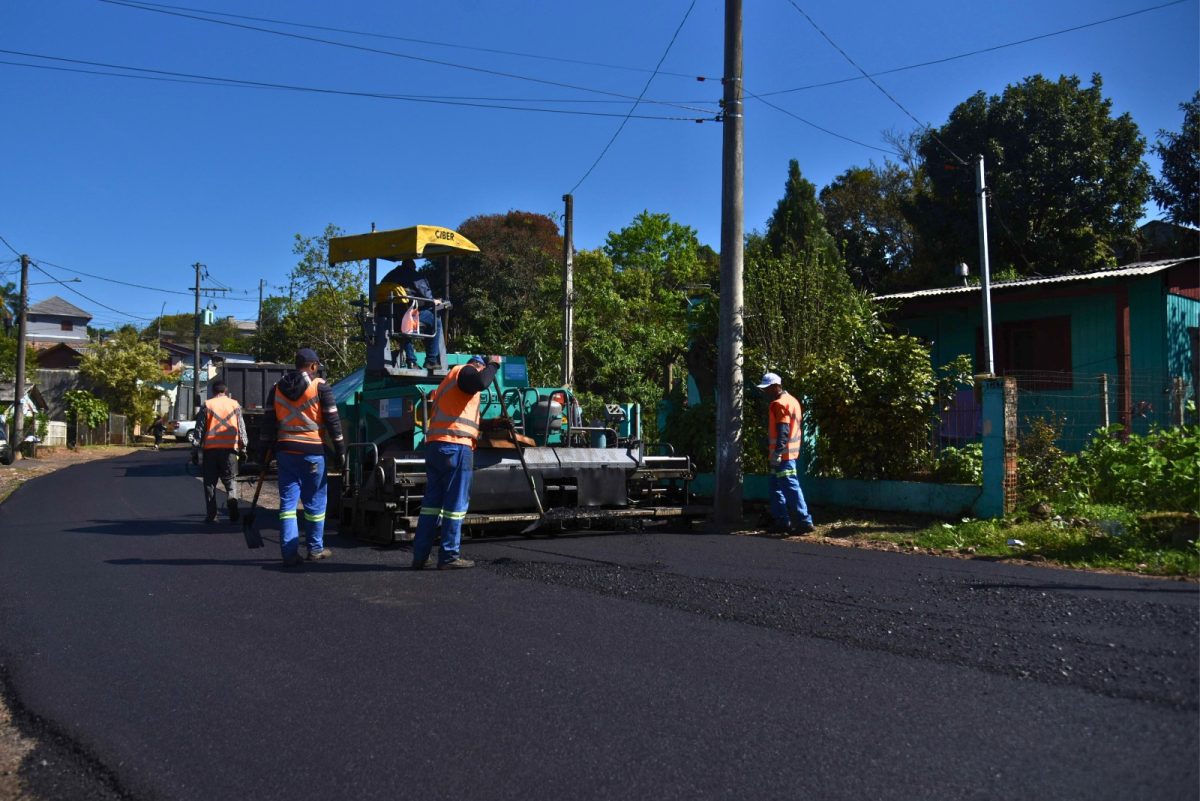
[619,666]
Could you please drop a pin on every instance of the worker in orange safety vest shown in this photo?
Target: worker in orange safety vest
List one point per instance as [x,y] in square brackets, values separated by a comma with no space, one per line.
[785,436]
[222,433]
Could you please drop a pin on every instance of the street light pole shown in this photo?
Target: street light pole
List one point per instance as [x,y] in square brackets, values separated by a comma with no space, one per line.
[984,269]
[18,431]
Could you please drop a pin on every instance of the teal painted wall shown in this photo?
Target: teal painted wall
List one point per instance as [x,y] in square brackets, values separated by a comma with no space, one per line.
[1160,349]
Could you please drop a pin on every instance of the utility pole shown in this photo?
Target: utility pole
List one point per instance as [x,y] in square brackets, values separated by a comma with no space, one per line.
[196,343]
[568,371]
[18,432]
[258,324]
[727,496]
[984,269]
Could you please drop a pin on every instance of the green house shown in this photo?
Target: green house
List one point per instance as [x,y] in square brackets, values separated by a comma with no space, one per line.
[1113,346]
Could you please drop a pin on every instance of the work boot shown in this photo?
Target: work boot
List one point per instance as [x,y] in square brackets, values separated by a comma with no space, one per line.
[434,364]
[803,528]
[234,512]
[316,556]
[418,565]
[410,364]
[457,564]
[778,528]
[293,561]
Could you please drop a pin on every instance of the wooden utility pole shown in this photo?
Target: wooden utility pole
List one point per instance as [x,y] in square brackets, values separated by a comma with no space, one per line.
[18,432]
[568,366]
[727,496]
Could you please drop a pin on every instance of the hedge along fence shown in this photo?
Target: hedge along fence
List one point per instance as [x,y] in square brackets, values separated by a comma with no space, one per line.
[993,498]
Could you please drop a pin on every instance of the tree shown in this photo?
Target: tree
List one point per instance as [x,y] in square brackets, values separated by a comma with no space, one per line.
[1178,191]
[504,295]
[123,369]
[797,224]
[1066,181]
[8,356]
[864,210]
[10,302]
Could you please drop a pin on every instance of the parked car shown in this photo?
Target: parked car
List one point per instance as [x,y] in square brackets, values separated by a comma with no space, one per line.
[6,451]
[183,430]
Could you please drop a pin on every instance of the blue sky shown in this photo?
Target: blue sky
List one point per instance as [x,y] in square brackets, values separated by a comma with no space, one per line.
[137,179]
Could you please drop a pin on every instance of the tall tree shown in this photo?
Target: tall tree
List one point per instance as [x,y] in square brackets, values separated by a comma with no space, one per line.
[501,295]
[797,225]
[1178,191]
[864,210]
[322,315]
[1066,180]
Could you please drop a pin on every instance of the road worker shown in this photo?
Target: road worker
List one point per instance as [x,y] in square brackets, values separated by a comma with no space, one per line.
[399,287]
[298,407]
[451,433]
[221,433]
[785,436]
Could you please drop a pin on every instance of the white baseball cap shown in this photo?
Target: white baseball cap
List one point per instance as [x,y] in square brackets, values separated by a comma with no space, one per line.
[769,380]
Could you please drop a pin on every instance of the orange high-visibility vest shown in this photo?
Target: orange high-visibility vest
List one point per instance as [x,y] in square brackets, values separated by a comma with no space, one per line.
[221,423]
[410,322]
[454,414]
[786,409]
[299,420]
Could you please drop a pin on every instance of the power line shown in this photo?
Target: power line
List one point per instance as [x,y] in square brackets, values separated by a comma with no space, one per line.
[432,42]
[811,124]
[633,108]
[207,80]
[980,51]
[10,247]
[392,53]
[85,297]
[876,83]
[129,284]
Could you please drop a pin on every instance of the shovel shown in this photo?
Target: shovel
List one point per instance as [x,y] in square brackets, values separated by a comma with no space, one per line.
[253,538]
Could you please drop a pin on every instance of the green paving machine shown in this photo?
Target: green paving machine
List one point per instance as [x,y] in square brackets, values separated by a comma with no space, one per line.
[542,471]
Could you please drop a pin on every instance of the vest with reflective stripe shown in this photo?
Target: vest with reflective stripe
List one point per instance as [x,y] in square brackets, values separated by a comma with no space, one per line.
[299,420]
[454,414]
[786,409]
[220,423]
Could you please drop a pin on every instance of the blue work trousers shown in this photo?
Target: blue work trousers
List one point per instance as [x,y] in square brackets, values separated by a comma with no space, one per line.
[301,478]
[786,498]
[448,470]
[433,352]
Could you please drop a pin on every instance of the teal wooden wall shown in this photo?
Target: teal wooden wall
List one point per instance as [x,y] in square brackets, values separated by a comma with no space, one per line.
[1159,348]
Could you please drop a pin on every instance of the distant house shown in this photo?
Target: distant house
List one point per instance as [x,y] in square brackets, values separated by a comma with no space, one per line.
[55,320]
[58,372]
[34,402]
[1134,328]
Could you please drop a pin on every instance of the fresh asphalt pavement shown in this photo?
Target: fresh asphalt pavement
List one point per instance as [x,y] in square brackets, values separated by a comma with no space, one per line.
[626,665]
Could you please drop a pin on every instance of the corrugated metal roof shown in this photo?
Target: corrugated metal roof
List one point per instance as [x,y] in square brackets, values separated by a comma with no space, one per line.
[1138,268]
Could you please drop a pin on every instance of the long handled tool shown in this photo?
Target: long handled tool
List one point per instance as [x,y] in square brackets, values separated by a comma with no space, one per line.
[253,538]
[512,436]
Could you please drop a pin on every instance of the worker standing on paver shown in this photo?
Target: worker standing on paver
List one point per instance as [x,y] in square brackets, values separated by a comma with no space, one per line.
[785,436]
[399,287]
[221,432]
[298,407]
[451,432]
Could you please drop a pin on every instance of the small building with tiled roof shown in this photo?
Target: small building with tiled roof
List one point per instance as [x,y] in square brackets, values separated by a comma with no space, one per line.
[56,320]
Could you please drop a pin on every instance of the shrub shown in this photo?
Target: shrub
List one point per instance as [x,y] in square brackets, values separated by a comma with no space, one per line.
[960,465]
[1155,471]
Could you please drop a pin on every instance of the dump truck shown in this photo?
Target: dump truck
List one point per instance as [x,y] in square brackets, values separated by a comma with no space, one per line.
[552,473]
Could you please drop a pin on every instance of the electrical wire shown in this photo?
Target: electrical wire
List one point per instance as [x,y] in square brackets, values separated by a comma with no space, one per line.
[924,125]
[129,284]
[206,80]
[633,108]
[85,297]
[812,124]
[10,247]
[432,42]
[980,51]
[392,53]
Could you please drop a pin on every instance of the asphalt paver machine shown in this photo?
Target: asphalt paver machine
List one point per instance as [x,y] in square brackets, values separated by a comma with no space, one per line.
[547,471]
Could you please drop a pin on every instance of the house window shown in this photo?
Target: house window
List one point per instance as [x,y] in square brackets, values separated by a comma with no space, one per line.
[67,326]
[1036,352]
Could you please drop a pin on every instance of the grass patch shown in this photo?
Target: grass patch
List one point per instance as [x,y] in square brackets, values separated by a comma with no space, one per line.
[1097,537]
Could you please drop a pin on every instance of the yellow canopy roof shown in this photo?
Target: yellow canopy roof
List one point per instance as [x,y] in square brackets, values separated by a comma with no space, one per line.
[420,241]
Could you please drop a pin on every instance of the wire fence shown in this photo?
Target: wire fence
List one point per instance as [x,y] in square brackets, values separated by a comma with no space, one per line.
[1077,404]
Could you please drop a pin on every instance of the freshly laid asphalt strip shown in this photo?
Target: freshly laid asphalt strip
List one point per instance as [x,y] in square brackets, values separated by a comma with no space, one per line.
[634,665]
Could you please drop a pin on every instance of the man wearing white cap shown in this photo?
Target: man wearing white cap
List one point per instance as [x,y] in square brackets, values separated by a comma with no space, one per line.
[784,418]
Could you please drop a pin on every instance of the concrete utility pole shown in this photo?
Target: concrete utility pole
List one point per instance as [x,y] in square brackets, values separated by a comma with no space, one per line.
[196,343]
[18,432]
[568,371]
[727,496]
[258,323]
[985,274]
